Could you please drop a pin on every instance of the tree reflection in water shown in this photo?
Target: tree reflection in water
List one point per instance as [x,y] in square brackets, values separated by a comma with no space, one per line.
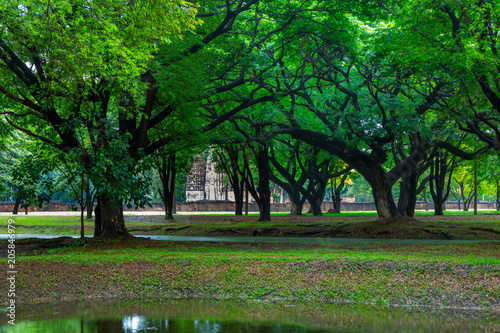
[136,324]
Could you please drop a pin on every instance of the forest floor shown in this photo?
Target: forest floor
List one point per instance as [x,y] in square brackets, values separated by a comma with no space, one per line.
[458,276]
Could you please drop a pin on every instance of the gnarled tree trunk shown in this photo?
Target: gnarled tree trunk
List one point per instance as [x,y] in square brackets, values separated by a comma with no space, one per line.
[408,194]
[382,194]
[296,209]
[290,184]
[438,177]
[264,201]
[317,199]
[111,218]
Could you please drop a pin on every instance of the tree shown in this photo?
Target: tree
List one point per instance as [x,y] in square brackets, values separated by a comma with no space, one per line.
[362,104]
[441,171]
[489,171]
[25,172]
[304,175]
[338,183]
[359,133]
[104,103]
[167,170]
[460,39]
[81,102]
[229,158]
[168,166]
[101,104]
[463,184]
[287,173]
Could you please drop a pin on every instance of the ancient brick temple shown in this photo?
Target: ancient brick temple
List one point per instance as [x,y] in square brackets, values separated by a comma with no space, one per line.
[204,183]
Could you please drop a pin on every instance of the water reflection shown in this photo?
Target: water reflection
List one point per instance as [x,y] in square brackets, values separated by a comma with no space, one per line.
[137,324]
[198,316]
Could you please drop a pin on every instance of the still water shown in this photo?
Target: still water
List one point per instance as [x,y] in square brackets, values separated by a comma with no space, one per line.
[162,316]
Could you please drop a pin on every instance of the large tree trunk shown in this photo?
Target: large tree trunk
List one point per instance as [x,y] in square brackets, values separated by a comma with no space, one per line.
[384,202]
[317,200]
[336,201]
[316,208]
[408,194]
[170,195]
[438,200]
[382,195]
[290,185]
[296,209]
[264,190]
[169,201]
[367,165]
[113,223]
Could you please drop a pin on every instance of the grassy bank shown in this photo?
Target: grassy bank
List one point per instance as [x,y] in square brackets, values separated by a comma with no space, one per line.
[458,276]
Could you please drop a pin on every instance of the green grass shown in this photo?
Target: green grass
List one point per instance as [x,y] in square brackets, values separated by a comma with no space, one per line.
[46,220]
[466,254]
[59,225]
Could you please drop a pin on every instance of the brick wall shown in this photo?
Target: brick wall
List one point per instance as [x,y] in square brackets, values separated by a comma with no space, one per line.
[228,206]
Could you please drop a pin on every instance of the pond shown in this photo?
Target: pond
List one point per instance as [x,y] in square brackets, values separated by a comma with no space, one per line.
[133,316]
